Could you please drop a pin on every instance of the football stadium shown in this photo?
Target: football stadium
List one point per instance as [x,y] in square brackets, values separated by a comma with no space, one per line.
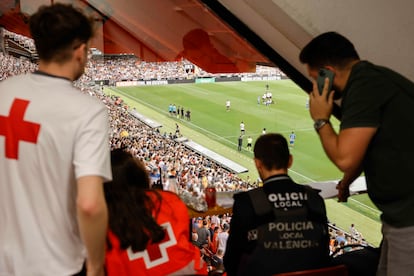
[189,87]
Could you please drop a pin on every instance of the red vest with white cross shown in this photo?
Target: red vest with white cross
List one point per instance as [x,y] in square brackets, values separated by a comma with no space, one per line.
[173,254]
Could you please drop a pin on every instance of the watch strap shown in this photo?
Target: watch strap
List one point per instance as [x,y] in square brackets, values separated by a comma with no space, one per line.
[319,123]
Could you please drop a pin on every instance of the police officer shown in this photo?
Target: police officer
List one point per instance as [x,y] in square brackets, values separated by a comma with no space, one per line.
[292,235]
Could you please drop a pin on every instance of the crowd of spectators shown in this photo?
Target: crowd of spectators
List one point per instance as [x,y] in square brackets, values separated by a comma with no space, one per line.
[11,66]
[210,234]
[21,39]
[190,170]
[342,241]
[129,68]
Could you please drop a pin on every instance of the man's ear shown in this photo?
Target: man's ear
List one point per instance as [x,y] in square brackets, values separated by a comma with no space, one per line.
[290,161]
[330,68]
[81,52]
[257,163]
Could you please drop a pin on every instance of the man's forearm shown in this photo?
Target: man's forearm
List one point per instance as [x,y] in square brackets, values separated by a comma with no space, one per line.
[350,176]
[329,140]
[348,148]
[93,229]
[92,215]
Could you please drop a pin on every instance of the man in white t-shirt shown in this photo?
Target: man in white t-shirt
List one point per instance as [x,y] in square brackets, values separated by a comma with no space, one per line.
[242,128]
[222,237]
[249,143]
[54,156]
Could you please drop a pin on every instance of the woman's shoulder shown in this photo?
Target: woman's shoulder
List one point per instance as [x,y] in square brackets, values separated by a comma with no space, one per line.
[163,194]
[168,200]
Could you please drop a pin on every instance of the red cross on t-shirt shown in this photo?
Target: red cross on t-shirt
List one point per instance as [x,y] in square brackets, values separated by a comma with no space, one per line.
[156,254]
[154,251]
[15,129]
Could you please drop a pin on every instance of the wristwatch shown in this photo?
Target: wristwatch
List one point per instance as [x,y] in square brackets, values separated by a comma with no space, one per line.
[319,123]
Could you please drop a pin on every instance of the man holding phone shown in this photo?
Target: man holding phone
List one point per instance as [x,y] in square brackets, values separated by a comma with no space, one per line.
[376,103]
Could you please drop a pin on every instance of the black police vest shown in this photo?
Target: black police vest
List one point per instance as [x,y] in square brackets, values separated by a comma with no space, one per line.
[296,239]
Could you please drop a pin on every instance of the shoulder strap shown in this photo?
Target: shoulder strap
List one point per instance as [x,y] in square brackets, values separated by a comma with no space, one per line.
[261,204]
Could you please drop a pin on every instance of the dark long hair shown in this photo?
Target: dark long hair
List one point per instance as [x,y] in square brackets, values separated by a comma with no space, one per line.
[130,208]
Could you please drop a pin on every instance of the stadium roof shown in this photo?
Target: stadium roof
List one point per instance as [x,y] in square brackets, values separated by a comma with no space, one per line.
[155,30]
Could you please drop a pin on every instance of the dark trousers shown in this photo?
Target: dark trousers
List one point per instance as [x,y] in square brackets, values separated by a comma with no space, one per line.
[82,272]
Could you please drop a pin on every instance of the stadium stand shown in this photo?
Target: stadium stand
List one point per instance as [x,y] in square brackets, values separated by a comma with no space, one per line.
[145,120]
[224,162]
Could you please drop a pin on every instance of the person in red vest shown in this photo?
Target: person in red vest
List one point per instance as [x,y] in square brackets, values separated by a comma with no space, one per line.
[149,230]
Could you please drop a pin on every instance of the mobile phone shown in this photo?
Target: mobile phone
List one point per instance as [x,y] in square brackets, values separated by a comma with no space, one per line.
[323,74]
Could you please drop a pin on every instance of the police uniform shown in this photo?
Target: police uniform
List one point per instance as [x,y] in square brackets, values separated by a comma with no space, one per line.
[294,249]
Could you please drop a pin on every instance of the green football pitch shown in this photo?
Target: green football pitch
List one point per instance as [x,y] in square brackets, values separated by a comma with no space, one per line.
[217,129]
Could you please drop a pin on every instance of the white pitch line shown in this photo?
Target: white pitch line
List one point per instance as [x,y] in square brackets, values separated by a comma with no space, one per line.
[365,206]
[301,175]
